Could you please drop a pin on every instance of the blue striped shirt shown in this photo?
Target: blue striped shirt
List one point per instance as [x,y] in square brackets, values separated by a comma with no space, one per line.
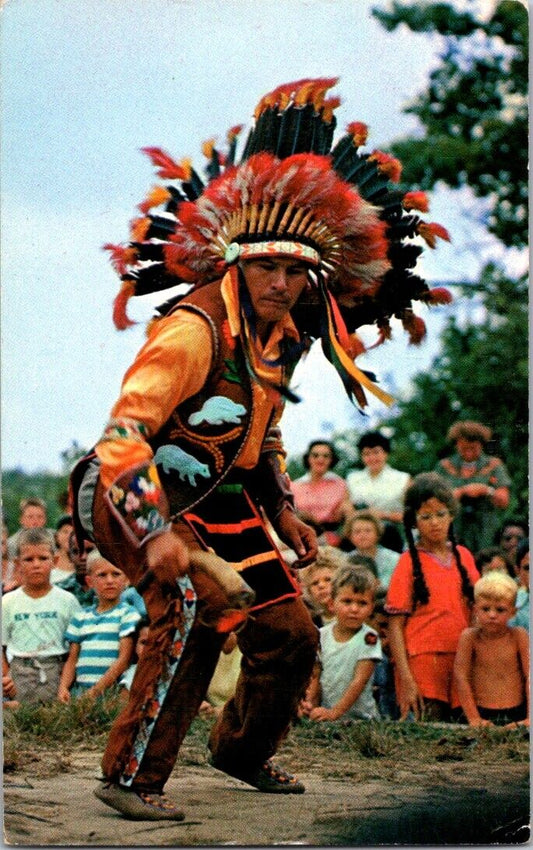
[99,636]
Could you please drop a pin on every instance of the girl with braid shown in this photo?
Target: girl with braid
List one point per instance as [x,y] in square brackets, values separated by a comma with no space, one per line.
[429,602]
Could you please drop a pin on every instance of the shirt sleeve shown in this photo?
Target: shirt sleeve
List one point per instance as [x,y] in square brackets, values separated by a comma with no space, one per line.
[371,647]
[501,476]
[173,365]
[73,630]
[6,619]
[128,622]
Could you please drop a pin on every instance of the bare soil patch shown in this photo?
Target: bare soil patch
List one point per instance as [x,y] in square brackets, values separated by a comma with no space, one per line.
[367,785]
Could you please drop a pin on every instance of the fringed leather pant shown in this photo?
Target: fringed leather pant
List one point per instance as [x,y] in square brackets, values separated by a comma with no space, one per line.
[278,643]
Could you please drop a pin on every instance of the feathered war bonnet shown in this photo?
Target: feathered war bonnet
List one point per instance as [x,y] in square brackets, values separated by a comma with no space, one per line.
[293,193]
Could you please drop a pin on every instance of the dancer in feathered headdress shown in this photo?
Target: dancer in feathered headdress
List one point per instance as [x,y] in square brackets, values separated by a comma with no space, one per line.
[300,239]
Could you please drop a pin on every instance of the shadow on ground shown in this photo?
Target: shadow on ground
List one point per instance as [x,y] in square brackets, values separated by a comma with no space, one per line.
[446,816]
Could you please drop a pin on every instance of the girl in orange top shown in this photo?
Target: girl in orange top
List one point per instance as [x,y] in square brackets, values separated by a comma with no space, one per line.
[429,602]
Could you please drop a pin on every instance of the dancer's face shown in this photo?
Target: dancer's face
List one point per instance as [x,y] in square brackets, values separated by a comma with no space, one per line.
[274,285]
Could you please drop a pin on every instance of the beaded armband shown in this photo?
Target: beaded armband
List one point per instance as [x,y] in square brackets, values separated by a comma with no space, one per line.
[125,429]
[138,501]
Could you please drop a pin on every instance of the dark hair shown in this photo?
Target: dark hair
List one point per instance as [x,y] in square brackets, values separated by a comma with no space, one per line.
[334,456]
[380,601]
[485,556]
[521,550]
[372,439]
[520,523]
[429,485]
[66,519]
[357,560]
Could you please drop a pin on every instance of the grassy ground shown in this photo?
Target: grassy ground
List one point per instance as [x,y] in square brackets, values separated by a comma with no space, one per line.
[48,733]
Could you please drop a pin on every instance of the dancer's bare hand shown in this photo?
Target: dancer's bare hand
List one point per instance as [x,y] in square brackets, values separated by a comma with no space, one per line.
[299,536]
[167,556]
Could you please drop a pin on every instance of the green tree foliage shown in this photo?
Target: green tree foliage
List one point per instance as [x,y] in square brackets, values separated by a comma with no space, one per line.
[17,484]
[474,133]
[474,112]
[481,374]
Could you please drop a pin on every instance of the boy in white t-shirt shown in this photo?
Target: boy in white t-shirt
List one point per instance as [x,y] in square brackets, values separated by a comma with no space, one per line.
[349,652]
[34,619]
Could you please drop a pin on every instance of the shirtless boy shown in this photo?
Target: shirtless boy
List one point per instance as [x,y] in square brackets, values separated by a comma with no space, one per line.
[492,661]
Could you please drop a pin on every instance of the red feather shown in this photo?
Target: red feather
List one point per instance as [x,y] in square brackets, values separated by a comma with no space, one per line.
[430,231]
[168,168]
[120,317]
[439,295]
[415,327]
[121,257]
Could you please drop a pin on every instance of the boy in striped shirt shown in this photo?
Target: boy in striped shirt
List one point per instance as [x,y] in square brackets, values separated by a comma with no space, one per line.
[101,637]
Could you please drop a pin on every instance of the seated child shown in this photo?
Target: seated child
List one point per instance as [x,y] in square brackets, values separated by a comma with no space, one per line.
[349,651]
[316,583]
[492,662]
[101,637]
[492,558]
[365,531]
[521,618]
[383,686]
[64,566]
[76,582]
[34,619]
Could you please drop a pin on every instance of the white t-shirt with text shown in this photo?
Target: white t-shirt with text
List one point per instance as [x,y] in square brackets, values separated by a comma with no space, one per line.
[36,626]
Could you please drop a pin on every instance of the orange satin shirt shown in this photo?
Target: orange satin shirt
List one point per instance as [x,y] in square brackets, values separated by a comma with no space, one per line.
[172,366]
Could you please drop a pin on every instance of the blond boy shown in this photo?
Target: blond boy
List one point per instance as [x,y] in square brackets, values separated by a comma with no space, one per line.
[101,637]
[316,583]
[34,619]
[492,662]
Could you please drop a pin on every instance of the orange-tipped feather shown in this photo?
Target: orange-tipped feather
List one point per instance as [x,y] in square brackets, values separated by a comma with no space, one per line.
[359,131]
[431,231]
[233,132]
[158,195]
[330,105]
[415,201]
[121,257]
[207,148]
[387,164]
[139,228]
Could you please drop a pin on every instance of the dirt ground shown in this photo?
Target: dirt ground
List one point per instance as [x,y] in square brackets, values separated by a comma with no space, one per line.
[446,799]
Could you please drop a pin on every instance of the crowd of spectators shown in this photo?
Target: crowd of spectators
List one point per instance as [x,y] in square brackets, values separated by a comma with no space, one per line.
[420,592]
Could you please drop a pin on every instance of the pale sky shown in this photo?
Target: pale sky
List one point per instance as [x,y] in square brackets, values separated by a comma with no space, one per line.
[84,87]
